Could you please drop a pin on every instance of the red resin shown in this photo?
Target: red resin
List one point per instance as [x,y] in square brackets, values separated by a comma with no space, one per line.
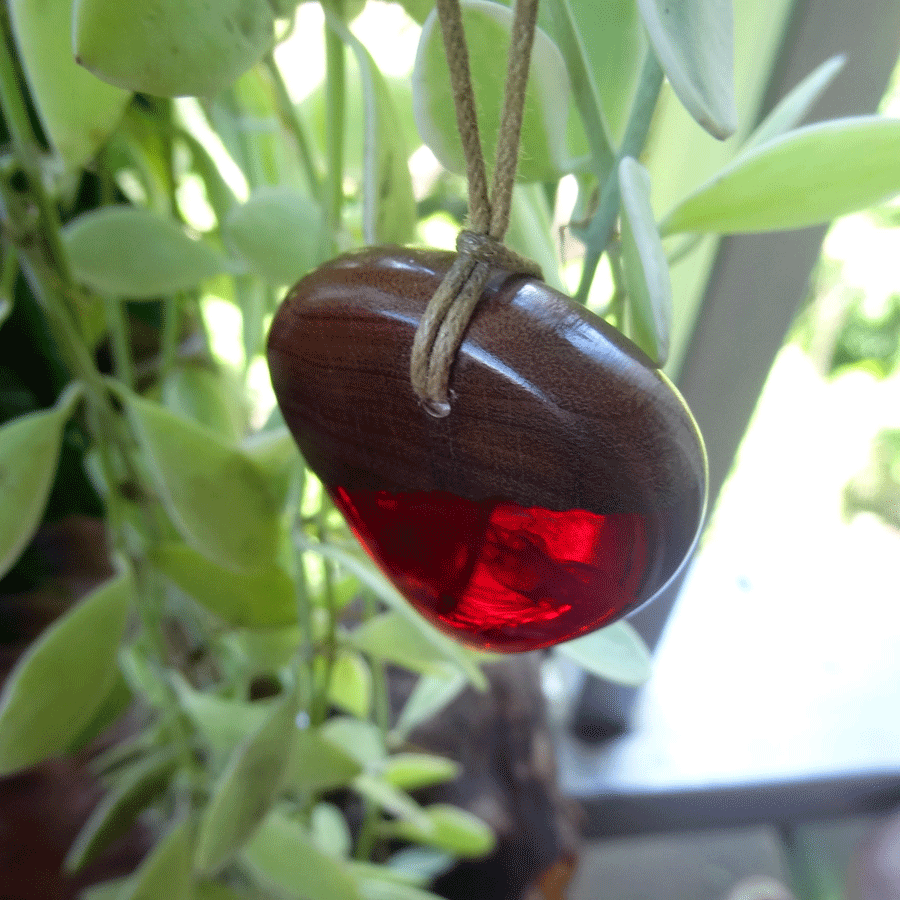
[497,575]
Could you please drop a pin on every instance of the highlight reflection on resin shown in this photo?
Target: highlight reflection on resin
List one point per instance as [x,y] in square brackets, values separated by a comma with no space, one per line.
[498,575]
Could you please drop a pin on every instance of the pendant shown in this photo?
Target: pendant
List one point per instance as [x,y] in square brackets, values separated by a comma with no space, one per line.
[565,488]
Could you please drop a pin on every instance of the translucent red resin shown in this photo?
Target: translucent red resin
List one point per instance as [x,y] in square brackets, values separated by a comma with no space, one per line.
[497,575]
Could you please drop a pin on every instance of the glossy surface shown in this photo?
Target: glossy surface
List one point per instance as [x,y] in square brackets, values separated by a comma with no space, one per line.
[556,420]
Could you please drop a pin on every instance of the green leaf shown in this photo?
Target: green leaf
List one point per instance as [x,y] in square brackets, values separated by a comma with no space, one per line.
[247,789]
[385,591]
[58,684]
[278,231]
[372,888]
[29,455]
[451,829]
[129,252]
[420,865]
[350,687]
[487,26]
[135,789]
[117,701]
[391,800]
[218,499]
[262,598]
[77,111]
[389,208]
[649,307]
[208,397]
[329,830]
[417,9]
[805,177]
[794,107]
[318,764]
[411,771]
[165,874]
[106,890]
[283,856]
[223,724]
[391,637]
[431,694]
[694,43]
[616,653]
[277,456]
[172,48]
[357,738]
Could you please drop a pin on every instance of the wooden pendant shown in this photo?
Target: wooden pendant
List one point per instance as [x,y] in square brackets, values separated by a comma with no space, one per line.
[566,487]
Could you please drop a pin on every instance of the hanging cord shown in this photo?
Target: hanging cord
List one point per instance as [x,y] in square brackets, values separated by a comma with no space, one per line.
[480,247]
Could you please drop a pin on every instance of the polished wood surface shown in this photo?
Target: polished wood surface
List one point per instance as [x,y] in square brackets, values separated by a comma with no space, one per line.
[551,406]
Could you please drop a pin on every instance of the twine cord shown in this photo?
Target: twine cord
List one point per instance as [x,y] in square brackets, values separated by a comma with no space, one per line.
[480,247]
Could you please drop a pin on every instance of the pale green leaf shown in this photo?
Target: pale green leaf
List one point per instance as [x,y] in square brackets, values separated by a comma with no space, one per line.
[129,252]
[649,308]
[450,829]
[411,771]
[221,722]
[29,455]
[283,856]
[616,653]
[261,598]
[172,47]
[278,231]
[329,831]
[247,788]
[431,694]
[806,177]
[58,684]
[106,890]
[356,738]
[389,208]
[791,110]
[165,874]
[372,888]
[77,111]
[694,43]
[275,453]
[214,493]
[393,801]
[209,397]
[487,25]
[385,591]
[316,763]
[350,686]
[133,791]
[420,865]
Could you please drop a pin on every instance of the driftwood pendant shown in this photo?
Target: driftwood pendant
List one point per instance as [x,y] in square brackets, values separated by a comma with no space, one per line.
[566,487]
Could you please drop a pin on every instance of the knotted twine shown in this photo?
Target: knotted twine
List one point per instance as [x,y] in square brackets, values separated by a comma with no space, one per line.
[479,247]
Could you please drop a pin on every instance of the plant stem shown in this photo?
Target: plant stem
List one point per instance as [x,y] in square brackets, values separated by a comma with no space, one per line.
[335,84]
[584,89]
[599,231]
[294,124]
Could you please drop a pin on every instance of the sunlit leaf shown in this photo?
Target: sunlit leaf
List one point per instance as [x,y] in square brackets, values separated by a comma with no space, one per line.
[208,397]
[451,829]
[357,738]
[389,209]
[165,874]
[411,771]
[247,788]
[58,684]
[420,865]
[134,790]
[282,855]
[129,252]
[392,800]
[694,42]
[214,493]
[261,598]
[350,685]
[487,26]
[329,830]
[29,455]
[278,231]
[649,308]
[77,111]
[275,453]
[616,653]
[172,47]
[806,177]
[791,110]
